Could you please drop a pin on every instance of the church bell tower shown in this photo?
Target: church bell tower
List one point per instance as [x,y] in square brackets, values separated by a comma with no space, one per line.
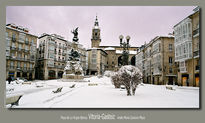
[96,35]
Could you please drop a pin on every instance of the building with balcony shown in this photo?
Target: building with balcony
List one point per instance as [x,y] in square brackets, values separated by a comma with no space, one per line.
[157,59]
[20,52]
[140,58]
[53,54]
[97,61]
[187,51]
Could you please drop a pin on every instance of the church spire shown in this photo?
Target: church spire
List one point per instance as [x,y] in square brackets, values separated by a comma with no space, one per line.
[96,21]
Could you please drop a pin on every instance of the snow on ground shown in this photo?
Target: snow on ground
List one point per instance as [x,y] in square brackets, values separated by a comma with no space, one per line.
[100,93]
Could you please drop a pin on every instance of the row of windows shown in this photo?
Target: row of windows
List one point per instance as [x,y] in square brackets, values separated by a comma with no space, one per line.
[156,49]
[182,49]
[22,37]
[20,63]
[183,32]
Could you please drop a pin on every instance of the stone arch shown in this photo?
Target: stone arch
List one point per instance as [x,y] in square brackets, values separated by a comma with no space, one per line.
[51,74]
[133,60]
[60,74]
[119,61]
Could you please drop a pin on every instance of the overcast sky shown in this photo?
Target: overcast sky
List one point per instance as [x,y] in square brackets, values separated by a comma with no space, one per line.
[142,23]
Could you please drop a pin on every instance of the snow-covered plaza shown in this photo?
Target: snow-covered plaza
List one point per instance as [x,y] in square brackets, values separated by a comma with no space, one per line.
[100,93]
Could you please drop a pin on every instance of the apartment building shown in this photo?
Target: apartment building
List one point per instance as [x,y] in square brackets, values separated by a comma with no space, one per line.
[97,61]
[187,49]
[140,58]
[54,51]
[159,66]
[20,52]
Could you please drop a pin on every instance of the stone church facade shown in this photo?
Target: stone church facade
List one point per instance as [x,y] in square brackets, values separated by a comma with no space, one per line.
[103,58]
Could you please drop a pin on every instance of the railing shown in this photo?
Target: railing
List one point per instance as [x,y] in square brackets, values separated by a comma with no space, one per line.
[196,53]
[20,49]
[21,40]
[24,68]
[19,68]
[64,54]
[13,57]
[26,50]
[13,48]
[30,69]
[60,46]
[51,42]
[195,32]
[26,42]
[32,59]
[183,69]
[13,39]
[11,67]
[64,48]
[197,67]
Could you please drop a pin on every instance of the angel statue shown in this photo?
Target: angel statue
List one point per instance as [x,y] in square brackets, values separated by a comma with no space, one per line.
[75,33]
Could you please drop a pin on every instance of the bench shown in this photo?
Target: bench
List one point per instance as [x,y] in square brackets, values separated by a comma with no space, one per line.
[92,84]
[58,90]
[169,88]
[29,83]
[13,100]
[72,86]
[39,85]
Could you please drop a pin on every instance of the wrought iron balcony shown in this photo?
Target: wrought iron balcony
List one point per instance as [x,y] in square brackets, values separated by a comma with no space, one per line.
[26,50]
[13,39]
[26,42]
[25,68]
[64,48]
[64,54]
[183,69]
[196,53]
[196,33]
[60,46]
[197,67]
[13,48]
[11,67]
[21,41]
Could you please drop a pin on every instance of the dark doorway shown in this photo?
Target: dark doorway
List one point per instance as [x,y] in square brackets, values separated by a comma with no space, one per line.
[170,80]
[185,80]
[60,74]
[197,80]
[30,76]
[24,75]
[51,74]
[153,80]
[93,72]
[133,61]
[18,74]
[120,61]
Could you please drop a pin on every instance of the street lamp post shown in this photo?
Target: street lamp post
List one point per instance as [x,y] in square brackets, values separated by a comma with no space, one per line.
[125,46]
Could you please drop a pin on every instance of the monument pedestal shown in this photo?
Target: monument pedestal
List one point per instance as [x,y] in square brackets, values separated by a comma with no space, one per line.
[70,76]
